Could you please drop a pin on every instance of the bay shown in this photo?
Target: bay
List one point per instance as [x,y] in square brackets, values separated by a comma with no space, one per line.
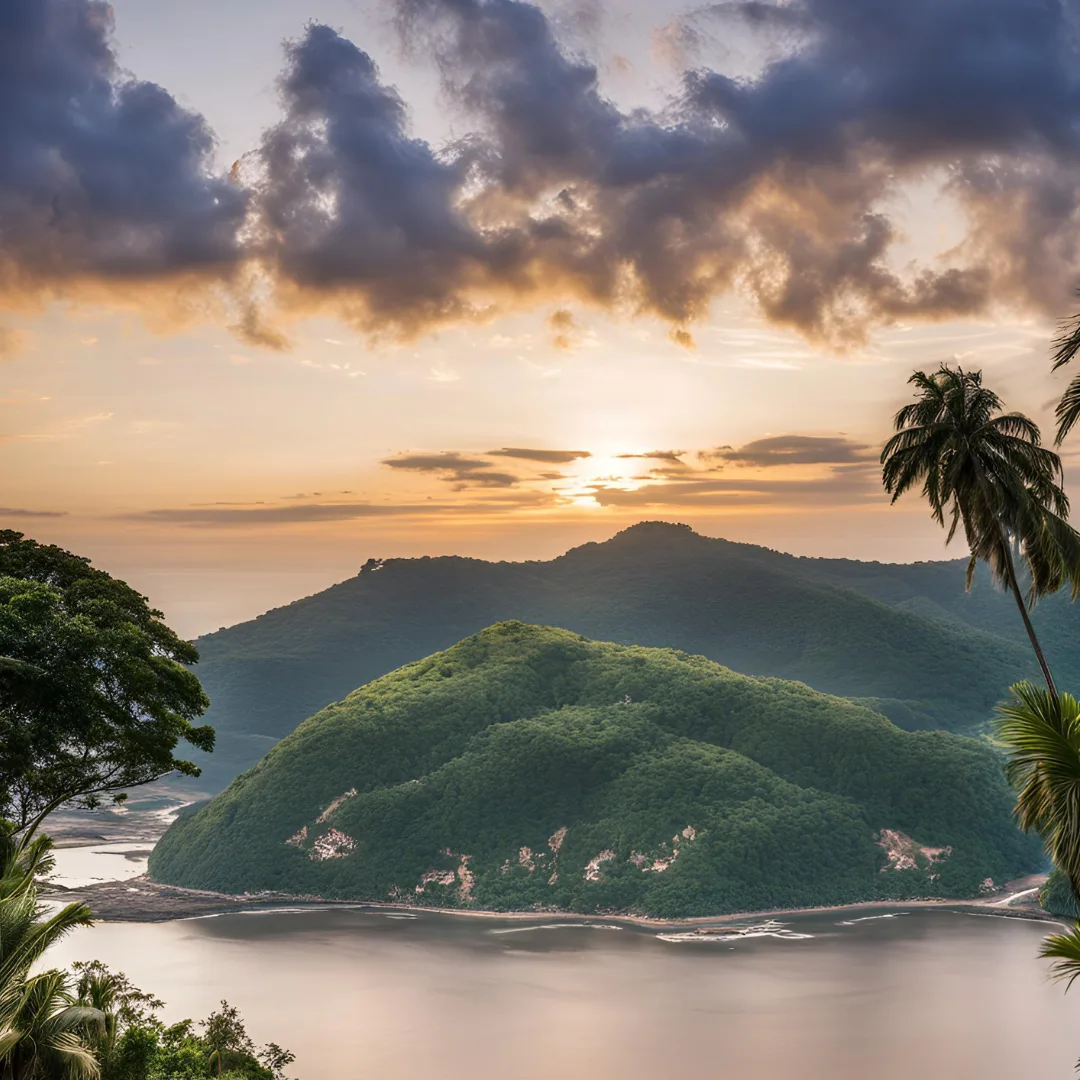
[907,994]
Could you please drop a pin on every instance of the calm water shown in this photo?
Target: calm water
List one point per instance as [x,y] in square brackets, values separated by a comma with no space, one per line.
[78,866]
[919,996]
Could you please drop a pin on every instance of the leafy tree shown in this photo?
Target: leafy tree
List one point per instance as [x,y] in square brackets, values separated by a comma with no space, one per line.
[95,693]
[226,1036]
[986,471]
[121,1005]
[276,1059]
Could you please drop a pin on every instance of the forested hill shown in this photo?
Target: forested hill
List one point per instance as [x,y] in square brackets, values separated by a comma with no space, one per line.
[906,636]
[529,767]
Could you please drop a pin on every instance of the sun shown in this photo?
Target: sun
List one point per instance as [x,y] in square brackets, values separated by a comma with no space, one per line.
[622,469]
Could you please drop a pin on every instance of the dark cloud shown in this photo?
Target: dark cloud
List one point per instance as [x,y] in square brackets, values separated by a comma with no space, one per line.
[780,185]
[349,204]
[448,460]
[454,468]
[773,184]
[547,457]
[101,175]
[794,450]
[484,479]
[20,512]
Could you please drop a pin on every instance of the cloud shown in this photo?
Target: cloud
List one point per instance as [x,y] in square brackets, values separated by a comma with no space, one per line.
[101,175]
[448,460]
[562,322]
[349,205]
[462,472]
[10,342]
[794,450]
[21,512]
[780,183]
[547,457]
[252,329]
[843,488]
[241,515]
[672,457]
[276,515]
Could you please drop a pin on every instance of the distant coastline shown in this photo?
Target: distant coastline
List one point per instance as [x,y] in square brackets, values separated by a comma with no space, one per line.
[142,900]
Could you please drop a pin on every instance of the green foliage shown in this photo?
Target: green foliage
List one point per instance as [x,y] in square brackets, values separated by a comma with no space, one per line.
[1041,732]
[44,1030]
[986,472]
[95,693]
[1057,896]
[131,1043]
[448,782]
[1066,348]
[150,1051]
[908,636]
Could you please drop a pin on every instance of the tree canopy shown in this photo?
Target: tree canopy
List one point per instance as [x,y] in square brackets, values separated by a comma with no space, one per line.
[531,767]
[95,691]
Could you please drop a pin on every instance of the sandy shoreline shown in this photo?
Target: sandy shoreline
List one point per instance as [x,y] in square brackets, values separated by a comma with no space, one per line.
[141,900]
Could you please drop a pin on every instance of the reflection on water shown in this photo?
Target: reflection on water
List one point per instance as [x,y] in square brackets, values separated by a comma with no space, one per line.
[935,995]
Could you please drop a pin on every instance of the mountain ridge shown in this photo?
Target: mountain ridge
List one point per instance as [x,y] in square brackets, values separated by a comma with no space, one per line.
[907,638]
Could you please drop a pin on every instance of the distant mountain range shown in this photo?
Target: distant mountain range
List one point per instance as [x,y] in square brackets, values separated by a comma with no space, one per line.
[529,768]
[904,639]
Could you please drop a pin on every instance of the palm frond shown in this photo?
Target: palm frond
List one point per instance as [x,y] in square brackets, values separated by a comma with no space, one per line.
[1064,950]
[1041,732]
[1068,409]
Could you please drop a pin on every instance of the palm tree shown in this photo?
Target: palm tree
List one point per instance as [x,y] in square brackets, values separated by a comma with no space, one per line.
[986,471]
[22,861]
[48,1033]
[44,1033]
[1066,348]
[122,1005]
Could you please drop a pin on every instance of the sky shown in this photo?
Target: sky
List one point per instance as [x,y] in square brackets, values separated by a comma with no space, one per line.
[288,285]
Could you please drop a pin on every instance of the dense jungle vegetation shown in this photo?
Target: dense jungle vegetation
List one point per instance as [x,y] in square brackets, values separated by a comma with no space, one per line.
[905,637]
[530,767]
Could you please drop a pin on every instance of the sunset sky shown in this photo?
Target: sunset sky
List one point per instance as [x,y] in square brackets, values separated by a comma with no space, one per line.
[286,286]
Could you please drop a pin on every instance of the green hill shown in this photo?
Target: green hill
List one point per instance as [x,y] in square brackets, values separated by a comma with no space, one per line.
[907,638]
[528,767]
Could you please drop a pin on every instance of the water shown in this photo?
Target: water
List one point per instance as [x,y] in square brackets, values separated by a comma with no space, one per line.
[79,866]
[920,995]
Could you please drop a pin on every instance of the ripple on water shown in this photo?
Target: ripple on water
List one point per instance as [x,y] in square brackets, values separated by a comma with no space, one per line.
[873,918]
[772,928]
[555,926]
